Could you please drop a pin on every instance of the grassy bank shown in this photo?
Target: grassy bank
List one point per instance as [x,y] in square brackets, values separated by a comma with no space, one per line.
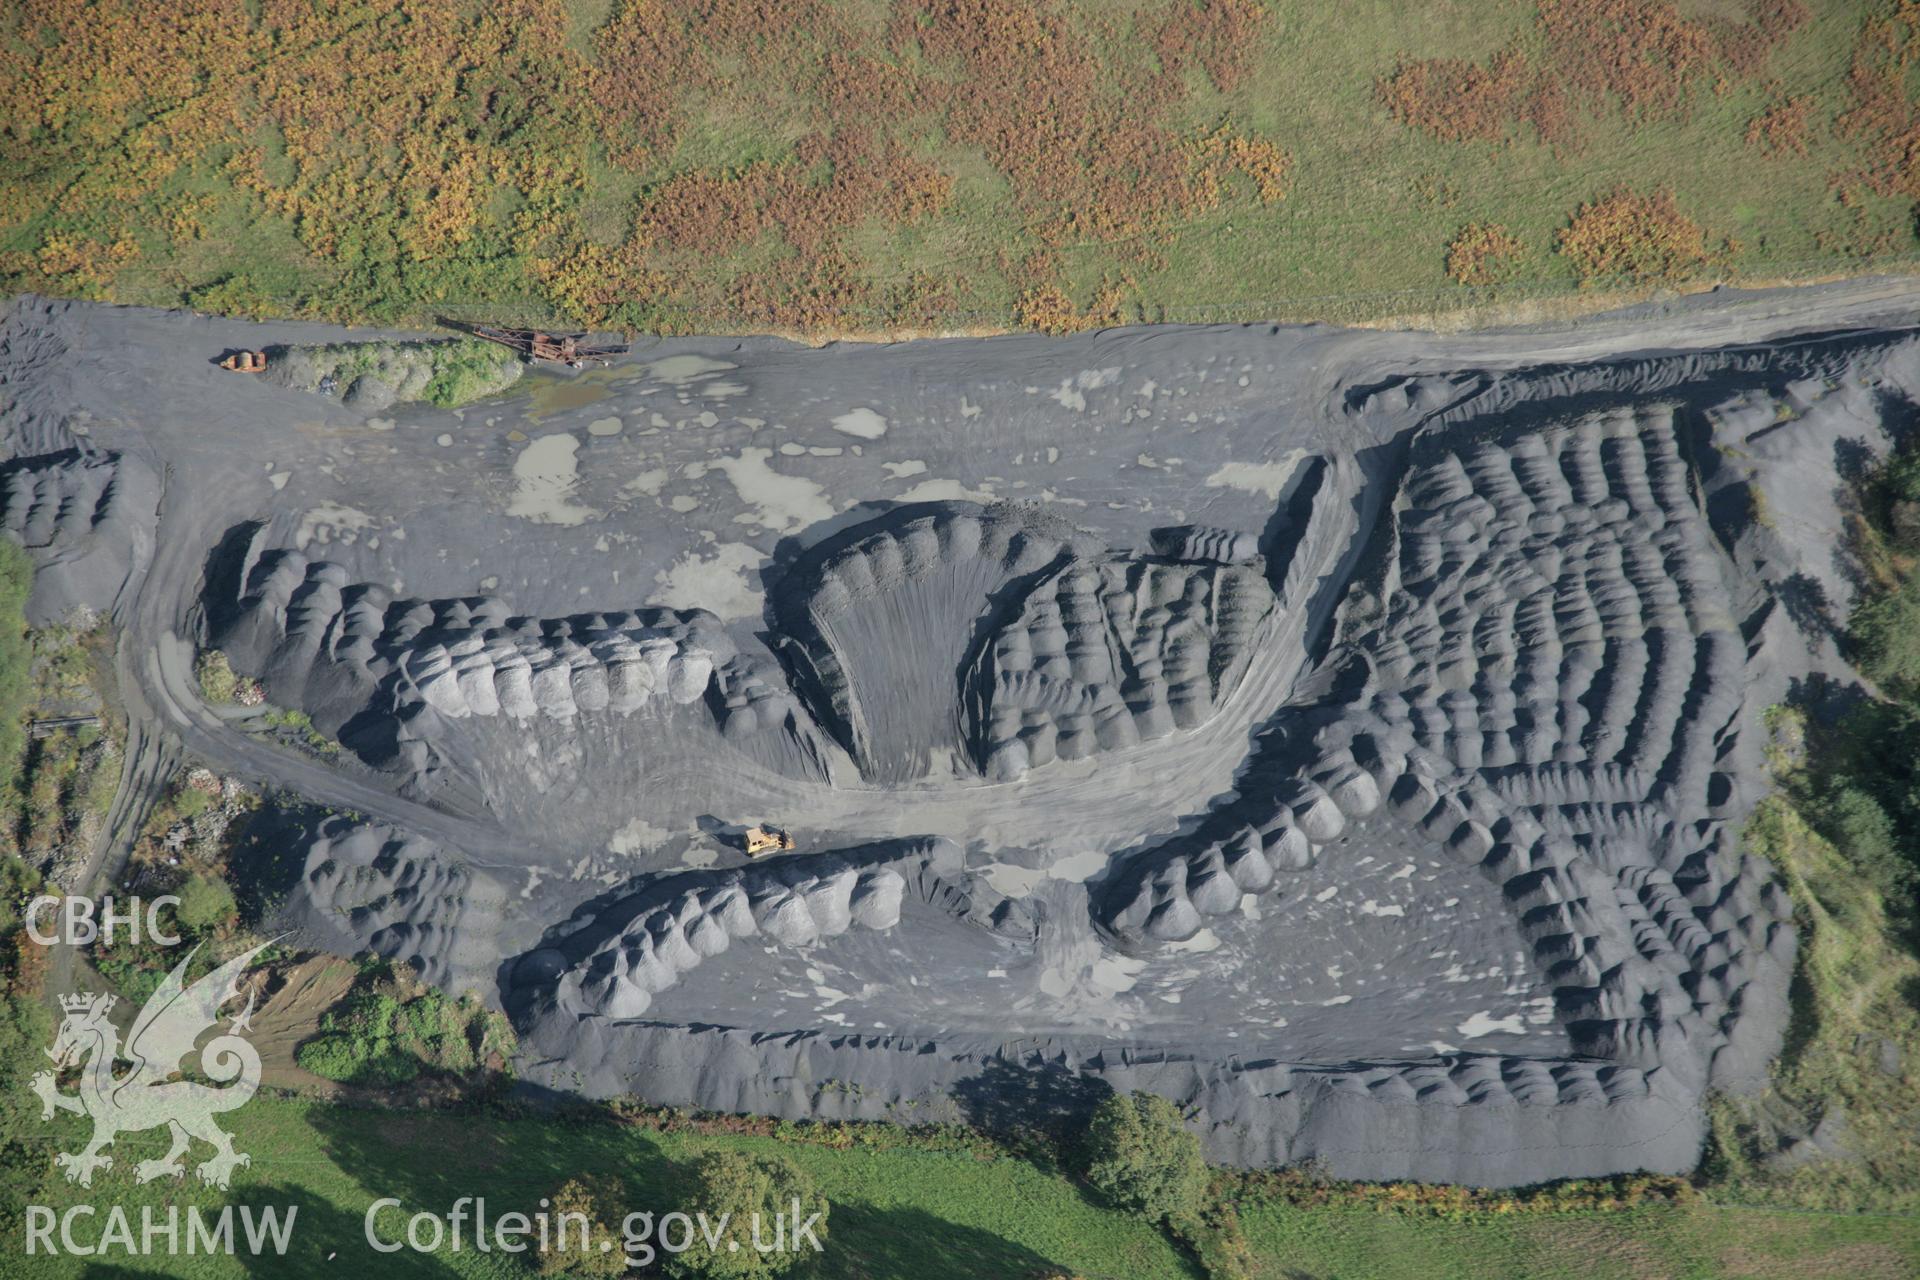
[1843,828]
[896,1213]
[865,165]
[927,1214]
[1703,1242]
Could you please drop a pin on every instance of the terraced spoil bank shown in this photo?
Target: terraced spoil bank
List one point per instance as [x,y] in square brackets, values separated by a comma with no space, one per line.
[1346,734]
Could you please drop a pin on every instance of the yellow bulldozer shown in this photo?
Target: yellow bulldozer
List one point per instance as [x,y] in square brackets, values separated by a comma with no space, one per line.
[767,839]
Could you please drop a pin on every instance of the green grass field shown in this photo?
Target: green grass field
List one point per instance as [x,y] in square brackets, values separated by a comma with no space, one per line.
[1705,1242]
[897,1213]
[917,1214]
[900,165]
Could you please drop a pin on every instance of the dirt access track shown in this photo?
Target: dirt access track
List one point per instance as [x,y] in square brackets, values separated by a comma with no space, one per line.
[1347,734]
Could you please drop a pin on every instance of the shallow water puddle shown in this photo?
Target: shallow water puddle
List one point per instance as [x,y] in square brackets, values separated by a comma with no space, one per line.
[554,395]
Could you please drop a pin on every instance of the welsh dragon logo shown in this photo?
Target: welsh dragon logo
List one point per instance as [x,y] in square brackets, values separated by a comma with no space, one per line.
[149,1094]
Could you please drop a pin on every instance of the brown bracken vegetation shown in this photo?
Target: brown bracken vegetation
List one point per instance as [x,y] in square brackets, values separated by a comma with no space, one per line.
[1270,168]
[1456,100]
[378,135]
[1483,253]
[1046,308]
[1783,128]
[1884,114]
[1043,303]
[1081,146]
[1077,134]
[435,149]
[1882,120]
[1637,237]
[678,165]
[804,293]
[1637,57]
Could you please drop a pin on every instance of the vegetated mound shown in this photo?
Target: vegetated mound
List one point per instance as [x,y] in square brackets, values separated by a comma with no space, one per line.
[372,376]
[87,520]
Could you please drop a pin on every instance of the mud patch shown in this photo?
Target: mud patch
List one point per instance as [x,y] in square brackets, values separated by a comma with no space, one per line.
[545,475]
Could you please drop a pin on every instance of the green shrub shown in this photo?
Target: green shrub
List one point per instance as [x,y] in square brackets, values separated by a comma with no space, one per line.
[437,1031]
[1862,788]
[1216,1240]
[743,1187]
[1864,796]
[378,1035]
[26,1029]
[1893,498]
[466,371]
[206,902]
[216,675]
[599,1253]
[136,969]
[1140,1156]
[351,1059]
[189,803]
[102,785]
[1860,827]
[62,659]
[1885,631]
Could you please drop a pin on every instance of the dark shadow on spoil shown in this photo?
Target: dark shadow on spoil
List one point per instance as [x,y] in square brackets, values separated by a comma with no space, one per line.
[790,549]
[593,937]
[1045,1098]
[223,580]
[1383,469]
[1853,461]
[1825,701]
[1431,393]
[1803,1015]
[1280,539]
[269,853]
[372,734]
[1804,598]
[1359,395]
[1278,748]
[580,918]
[74,456]
[1730,514]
